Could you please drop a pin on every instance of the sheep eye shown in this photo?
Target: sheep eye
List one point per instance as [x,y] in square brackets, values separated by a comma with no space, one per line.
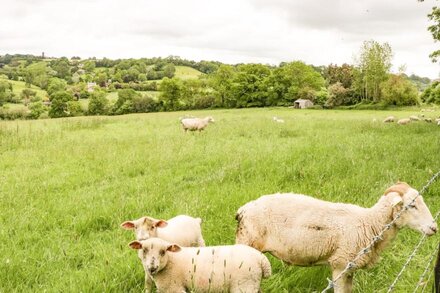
[412,206]
[162,252]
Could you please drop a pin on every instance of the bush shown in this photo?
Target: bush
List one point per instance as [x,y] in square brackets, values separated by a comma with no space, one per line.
[432,94]
[74,108]
[399,91]
[145,104]
[36,109]
[13,114]
[98,103]
[59,106]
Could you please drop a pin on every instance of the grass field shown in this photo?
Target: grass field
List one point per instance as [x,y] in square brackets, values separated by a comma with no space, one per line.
[67,184]
[19,86]
[185,72]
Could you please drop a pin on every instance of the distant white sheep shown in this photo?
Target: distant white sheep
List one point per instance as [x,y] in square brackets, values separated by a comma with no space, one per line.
[414,118]
[193,124]
[404,121]
[428,119]
[276,119]
[389,119]
[231,268]
[183,230]
[304,231]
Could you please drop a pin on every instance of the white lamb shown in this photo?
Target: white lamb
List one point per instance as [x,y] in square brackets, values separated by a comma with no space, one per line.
[389,119]
[183,230]
[193,124]
[232,268]
[304,231]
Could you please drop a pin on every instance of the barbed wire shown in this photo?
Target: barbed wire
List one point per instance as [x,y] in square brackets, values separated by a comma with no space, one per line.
[422,276]
[408,260]
[352,264]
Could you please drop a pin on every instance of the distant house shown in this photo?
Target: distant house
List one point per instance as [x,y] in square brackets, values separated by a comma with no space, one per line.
[91,86]
[302,104]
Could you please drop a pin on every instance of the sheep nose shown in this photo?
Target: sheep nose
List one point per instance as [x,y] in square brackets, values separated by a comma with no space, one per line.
[434,228]
[152,270]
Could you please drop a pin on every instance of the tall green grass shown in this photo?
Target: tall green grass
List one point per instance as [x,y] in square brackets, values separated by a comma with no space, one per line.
[67,184]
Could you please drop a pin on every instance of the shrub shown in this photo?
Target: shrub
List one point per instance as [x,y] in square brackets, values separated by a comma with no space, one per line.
[399,91]
[98,103]
[36,109]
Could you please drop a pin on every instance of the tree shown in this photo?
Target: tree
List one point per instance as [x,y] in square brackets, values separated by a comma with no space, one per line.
[124,104]
[5,92]
[338,95]
[89,66]
[56,85]
[27,95]
[290,80]
[59,106]
[169,70]
[98,103]
[398,90]
[432,94]
[373,66]
[36,108]
[171,92]
[343,74]
[434,29]
[221,82]
[61,67]
[37,74]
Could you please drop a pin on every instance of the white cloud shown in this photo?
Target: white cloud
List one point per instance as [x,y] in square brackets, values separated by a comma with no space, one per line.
[267,31]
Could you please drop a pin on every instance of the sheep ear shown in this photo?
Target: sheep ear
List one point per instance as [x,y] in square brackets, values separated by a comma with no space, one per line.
[396,200]
[128,225]
[174,248]
[135,244]
[161,224]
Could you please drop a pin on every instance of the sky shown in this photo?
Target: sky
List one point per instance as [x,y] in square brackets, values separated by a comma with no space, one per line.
[230,31]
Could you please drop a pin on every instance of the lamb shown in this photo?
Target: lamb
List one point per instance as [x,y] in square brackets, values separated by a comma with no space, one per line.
[414,118]
[183,230]
[389,119]
[304,231]
[404,121]
[276,119]
[193,124]
[231,268]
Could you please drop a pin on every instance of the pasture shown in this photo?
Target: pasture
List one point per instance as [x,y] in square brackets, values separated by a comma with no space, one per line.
[67,184]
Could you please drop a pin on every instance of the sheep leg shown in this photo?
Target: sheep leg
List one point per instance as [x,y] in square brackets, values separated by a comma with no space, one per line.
[344,284]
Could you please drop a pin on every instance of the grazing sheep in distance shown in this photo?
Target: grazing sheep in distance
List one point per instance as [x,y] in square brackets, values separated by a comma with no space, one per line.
[427,119]
[404,121]
[276,119]
[304,231]
[414,118]
[389,119]
[231,268]
[193,124]
[183,230]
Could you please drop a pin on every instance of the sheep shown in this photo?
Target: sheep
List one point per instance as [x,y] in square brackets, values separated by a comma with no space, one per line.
[414,118]
[404,121]
[193,124]
[437,120]
[276,119]
[389,119]
[231,268]
[304,231]
[427,119]
[183,230]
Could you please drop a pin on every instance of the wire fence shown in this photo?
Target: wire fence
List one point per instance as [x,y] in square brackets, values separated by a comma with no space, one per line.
[422,283]
[352,264]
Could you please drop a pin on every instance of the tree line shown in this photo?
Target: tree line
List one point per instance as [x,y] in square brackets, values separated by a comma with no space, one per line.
[366,82]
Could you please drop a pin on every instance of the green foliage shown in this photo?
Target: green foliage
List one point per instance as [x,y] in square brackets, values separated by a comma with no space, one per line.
[399,91]
[74,108]
[59,104]
[36,109]
[6,93]
[89,66]
[432,94]
[56,85]
[27,95]
[145,104]
[171,92]
[221,82]
[343,74]
[373,67]
[61,67]
[124,104]
[169,70]
[338,95]
[291,81]
[98,104]
[37,74]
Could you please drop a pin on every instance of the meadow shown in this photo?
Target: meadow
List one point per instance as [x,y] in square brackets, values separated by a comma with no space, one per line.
[67,184]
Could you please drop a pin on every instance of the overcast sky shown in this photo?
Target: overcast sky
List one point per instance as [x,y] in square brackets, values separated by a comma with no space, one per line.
[232,31]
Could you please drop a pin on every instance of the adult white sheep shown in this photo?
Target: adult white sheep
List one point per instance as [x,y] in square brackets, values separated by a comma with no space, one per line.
[301,230]
[404,121]
[414,118]
[183,230]
[232,268]
[193,124]
[389,119]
